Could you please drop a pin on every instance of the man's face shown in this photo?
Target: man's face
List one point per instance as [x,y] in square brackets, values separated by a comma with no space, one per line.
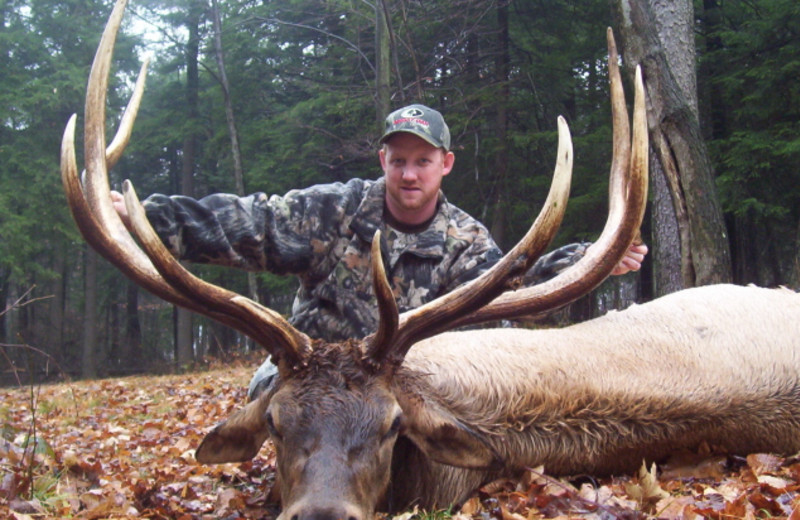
[414,169]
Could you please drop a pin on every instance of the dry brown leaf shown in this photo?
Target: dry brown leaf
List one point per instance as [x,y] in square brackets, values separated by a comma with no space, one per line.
[461,516]
[407,515]
[776,485]
[20,516]
[761,463]
[647,491]
[694,466]
[508,515]
[471,506]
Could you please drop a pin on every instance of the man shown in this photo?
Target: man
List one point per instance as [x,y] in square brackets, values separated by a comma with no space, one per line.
[322,234]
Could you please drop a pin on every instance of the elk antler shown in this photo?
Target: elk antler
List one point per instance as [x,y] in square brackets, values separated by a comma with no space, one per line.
[627,198]
[387,305]
[90,203]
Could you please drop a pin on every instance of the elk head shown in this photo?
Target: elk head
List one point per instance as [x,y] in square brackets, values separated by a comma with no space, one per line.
[338,409]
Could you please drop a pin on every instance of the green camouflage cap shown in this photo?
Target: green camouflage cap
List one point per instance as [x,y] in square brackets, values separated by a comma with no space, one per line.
[421,121]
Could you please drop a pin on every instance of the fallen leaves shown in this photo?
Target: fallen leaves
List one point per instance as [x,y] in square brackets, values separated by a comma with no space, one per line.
[762,486]
[125,449]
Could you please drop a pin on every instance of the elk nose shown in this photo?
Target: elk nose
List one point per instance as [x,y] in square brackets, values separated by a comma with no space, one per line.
[327,513]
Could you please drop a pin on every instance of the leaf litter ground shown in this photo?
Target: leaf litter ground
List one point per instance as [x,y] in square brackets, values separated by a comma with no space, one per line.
[123,448]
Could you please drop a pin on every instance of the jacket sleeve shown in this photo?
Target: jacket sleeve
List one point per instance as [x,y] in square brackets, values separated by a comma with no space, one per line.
[554,262]
[546,267]
[255,232]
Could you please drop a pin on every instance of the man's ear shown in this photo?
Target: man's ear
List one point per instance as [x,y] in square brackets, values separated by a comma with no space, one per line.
[239,438]
[382,157]
[449,161]
[442,437]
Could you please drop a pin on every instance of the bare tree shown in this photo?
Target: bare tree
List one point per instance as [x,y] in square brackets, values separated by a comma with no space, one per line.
[502,66]
[183,319]
[383,51]
[233,133]
[658,34]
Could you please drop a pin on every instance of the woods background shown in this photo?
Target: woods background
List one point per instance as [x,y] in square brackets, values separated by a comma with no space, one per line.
[267,96]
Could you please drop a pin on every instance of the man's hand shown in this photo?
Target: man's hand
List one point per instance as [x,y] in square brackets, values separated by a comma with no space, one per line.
[118,201]
[632,261]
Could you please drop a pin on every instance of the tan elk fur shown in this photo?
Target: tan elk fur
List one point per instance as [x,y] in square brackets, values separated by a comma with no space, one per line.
[717,364]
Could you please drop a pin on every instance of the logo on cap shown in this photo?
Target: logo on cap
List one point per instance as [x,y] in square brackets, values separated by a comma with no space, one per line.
[412,112]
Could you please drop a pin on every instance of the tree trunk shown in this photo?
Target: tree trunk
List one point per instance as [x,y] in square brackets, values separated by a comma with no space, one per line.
[236,153]
[132,343]
[499,223]
[669,275]
[184,351]
[89,351]
[233,133]
[5,306]
[658,35]
[383,61]
[55,330]
[183,318]
[666,236]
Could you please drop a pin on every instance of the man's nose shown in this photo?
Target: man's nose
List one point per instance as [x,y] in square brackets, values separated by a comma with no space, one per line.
[409,173]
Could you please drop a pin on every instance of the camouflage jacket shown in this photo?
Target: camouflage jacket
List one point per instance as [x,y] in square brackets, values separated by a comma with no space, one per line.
[322,235]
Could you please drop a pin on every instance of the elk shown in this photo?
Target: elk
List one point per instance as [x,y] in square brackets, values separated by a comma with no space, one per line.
[416,415]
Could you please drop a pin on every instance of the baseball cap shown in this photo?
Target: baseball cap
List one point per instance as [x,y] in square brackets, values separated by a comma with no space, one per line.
[421,121]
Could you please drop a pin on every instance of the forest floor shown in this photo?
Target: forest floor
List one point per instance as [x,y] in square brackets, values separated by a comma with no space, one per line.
[123,448]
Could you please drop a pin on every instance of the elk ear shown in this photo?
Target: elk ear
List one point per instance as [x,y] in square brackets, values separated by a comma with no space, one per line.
[443,438]
[239,438]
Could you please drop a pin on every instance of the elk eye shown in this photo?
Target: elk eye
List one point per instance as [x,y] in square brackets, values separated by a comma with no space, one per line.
[395,428]
[273,431]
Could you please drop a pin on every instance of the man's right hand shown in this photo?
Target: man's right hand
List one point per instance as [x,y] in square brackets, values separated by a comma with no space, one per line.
[118,201]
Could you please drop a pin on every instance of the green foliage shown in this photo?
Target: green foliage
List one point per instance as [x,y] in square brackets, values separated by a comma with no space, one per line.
[47,47]
[750,61]
[757,146]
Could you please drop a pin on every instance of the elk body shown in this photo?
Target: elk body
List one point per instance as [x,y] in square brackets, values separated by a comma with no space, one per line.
[375,423]
[706,365]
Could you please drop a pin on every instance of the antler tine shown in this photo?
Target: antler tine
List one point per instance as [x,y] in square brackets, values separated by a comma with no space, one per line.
[264,325]
[621,131]
[438,315]
[622,228]
[103,229]
[387,306]
[123,135]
